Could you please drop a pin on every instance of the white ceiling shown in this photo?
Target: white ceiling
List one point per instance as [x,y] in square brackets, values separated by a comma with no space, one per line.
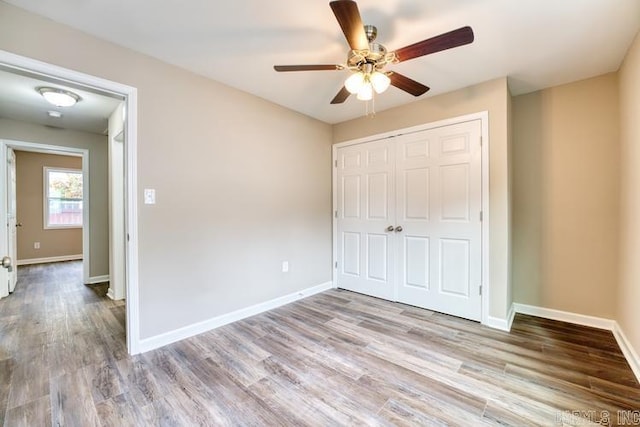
[19,100]
[536,43]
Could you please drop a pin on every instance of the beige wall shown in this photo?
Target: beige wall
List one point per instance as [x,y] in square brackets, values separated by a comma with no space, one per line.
[30,205]
[566,160]
[98,201]
[629,292]
[492,96]
[242,184]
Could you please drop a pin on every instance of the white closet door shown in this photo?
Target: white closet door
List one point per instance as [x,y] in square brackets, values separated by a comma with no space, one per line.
[439,255]
[365,211]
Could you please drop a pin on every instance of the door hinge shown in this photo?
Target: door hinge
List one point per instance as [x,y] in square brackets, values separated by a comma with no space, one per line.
[335,214]
[336,264]
[335,163]
[480,141]
[480,290]
[127,237]
[480,216]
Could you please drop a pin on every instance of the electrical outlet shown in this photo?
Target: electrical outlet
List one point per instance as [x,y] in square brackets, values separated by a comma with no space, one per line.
[285,266]
[36,245]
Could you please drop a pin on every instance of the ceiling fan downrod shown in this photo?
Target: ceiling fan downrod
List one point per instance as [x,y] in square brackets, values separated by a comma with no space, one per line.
[371,31]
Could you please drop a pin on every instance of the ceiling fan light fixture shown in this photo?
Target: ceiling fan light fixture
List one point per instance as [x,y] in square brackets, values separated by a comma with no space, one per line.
[58,97]
[366,92]
[355,82]
[379,81]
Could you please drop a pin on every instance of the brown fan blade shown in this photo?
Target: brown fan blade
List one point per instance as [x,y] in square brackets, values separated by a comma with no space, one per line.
[445,41]
[341,96]
[318,67]
[348,16]
[406,84]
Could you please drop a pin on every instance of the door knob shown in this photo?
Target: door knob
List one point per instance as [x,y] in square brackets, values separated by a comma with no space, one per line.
[398,229]
[6,263]
[390,228]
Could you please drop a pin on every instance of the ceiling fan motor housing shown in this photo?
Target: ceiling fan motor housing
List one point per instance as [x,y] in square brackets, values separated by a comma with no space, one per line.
[376,54]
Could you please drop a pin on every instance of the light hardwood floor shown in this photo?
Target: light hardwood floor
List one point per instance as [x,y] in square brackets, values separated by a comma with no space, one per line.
[337,358]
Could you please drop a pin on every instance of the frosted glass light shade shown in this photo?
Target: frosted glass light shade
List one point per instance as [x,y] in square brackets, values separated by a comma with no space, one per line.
[366,92]
[379,81]
[58,97]
[355,82]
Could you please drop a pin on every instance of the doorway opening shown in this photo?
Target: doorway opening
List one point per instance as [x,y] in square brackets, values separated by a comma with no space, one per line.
[126,245]
[41,156]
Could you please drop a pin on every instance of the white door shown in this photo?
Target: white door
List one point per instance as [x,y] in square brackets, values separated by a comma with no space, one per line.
[408,219]
[365,213]
[12,243]
[439,255]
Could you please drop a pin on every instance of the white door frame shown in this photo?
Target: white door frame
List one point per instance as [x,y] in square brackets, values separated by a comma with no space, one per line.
[130,95]
[12,225]
[62,151]
[483,116]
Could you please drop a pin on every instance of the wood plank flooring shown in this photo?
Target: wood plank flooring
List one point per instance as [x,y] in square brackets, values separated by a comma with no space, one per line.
[337,358]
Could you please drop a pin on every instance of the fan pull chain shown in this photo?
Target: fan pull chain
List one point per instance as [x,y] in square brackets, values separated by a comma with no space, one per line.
[371,113]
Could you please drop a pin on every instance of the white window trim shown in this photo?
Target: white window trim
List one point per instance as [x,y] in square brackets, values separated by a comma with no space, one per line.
[45,193]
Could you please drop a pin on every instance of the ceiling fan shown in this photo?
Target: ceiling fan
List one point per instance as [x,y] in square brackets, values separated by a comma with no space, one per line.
[367,59]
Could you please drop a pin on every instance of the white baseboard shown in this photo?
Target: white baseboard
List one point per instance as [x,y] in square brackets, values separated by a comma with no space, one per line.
[157,341]
[30,261]
[98,279]
[502,324]
[565,316]
[111,294]
[627,349]
[592,321]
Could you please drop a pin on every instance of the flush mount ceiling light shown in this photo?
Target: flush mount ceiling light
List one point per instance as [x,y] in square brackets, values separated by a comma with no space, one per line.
[58,97]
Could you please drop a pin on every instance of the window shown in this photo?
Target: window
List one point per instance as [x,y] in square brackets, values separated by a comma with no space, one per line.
[62,198]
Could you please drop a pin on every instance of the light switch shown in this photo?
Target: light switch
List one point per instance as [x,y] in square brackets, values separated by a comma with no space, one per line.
[149,196]
[285,266]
